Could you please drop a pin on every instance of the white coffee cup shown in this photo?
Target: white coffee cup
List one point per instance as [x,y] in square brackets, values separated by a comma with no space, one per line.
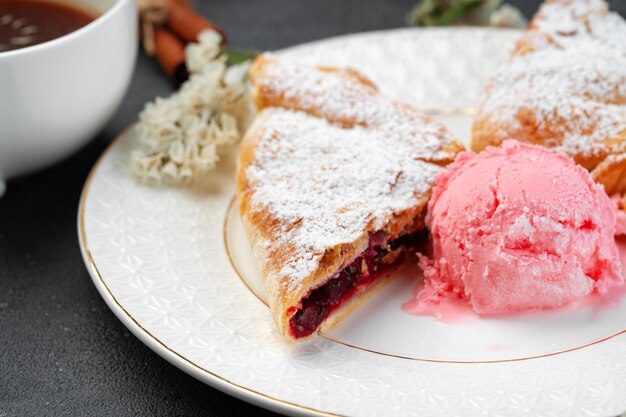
[56,95]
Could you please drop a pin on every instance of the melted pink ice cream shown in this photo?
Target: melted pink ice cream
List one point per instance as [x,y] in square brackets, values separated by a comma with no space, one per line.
[517,228]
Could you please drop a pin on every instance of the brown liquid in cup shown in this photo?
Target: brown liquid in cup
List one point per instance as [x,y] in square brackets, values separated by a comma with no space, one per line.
[30,22]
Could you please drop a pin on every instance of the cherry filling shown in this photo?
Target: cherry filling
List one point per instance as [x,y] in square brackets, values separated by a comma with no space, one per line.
[353,279]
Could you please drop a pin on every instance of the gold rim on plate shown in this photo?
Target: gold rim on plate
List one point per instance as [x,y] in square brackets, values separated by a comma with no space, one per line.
[412,358]
[160,347]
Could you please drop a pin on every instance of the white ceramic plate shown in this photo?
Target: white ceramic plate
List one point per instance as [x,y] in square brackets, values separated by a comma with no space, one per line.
[175,266]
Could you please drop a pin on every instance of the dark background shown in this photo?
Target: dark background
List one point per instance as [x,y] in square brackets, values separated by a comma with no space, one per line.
[62,351]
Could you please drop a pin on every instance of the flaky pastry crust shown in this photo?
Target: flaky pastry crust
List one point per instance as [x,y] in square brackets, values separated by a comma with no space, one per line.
[564,88]
[308,198]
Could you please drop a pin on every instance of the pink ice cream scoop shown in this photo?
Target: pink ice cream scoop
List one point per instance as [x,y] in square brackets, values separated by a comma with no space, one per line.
[518,228]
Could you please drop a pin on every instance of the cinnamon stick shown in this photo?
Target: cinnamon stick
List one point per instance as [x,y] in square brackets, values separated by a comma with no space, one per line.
[170,53]
[187,24]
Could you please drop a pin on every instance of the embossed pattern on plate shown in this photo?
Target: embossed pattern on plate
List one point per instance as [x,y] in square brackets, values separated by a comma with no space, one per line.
[157,257]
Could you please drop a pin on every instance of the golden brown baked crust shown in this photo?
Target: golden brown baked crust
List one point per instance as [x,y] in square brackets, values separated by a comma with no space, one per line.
[564,88]
[318,175]
[611,172]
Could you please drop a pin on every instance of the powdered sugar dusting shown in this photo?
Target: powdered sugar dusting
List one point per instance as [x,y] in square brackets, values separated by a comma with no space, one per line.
[568,77]
[347,98]
[328,185]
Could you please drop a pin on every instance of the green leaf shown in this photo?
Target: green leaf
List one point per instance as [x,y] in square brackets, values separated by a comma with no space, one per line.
[237,56]
[457,12]
[442,12]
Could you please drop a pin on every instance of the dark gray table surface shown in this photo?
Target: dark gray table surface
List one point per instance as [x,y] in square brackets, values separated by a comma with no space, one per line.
[62,351]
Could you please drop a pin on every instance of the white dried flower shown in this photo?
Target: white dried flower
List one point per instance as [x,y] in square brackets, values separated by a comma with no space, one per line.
[205,52]
[180,136]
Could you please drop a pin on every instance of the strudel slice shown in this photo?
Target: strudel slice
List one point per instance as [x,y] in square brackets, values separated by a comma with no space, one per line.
[333,179]
[565,88]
